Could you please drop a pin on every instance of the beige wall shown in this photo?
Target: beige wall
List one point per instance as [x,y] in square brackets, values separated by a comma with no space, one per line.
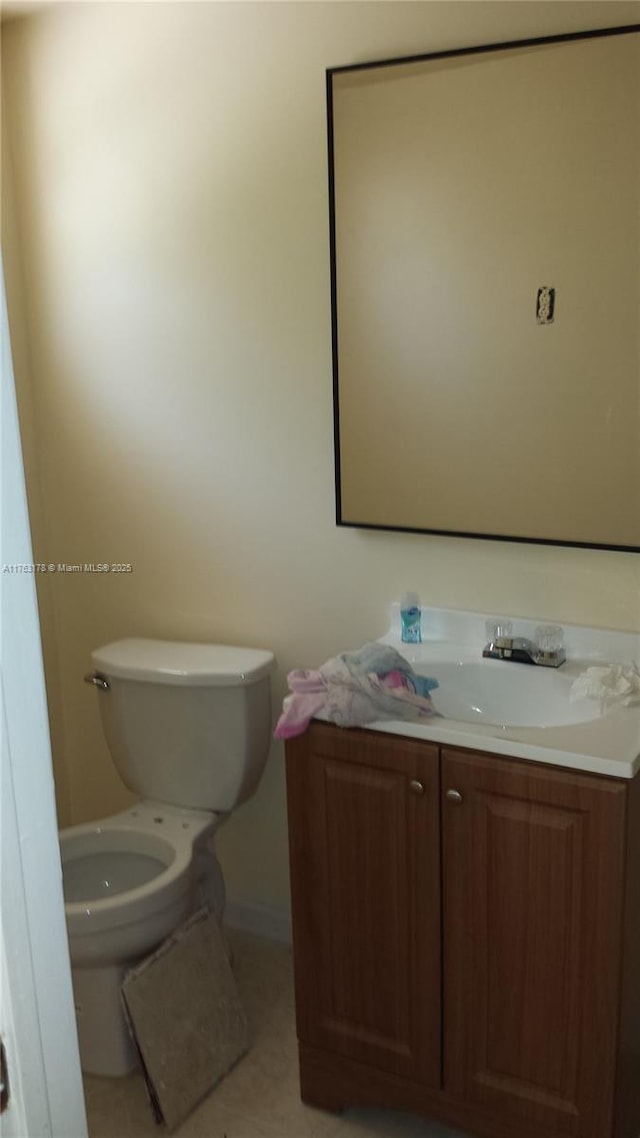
[170,315]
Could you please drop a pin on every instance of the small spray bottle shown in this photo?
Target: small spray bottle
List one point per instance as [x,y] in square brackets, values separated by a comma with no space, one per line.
[410,617]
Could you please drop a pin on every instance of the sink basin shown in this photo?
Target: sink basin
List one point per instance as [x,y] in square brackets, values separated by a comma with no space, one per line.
[506,695]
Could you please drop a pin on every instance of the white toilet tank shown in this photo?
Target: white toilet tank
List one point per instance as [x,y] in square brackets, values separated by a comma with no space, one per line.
[186,724]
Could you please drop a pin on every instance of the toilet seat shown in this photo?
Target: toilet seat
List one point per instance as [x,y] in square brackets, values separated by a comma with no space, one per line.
[141,864]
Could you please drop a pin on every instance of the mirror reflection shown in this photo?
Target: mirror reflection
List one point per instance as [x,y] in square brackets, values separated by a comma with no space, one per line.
[485,229]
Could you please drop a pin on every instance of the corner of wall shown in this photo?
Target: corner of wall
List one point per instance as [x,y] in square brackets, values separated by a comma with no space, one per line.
[14,255]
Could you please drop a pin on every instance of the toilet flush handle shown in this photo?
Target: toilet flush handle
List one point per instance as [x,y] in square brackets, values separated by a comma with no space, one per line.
[98,680]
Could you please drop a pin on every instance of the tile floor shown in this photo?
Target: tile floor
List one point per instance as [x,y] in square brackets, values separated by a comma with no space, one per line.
[260,1097]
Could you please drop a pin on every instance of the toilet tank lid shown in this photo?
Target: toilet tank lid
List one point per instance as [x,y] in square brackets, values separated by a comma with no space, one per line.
[174,662]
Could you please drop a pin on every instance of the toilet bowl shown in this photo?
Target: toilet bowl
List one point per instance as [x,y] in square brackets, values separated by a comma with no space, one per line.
[191,723]
[129,881]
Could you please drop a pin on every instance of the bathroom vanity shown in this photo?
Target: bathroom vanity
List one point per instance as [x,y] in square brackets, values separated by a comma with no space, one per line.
[467,923]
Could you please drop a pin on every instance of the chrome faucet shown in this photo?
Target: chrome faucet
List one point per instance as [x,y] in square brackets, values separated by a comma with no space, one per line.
[547,652]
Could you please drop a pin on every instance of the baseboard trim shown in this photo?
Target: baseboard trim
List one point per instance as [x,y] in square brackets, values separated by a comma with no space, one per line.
[274,924]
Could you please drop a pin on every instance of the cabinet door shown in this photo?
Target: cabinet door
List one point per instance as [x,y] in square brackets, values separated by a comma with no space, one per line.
[365,868]
[533,866]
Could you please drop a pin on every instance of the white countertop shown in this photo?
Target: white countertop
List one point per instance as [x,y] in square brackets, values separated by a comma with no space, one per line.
[608,745]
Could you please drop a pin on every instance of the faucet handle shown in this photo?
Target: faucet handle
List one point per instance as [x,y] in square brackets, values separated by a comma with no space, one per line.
[550,643]
[549,638]
[499,632]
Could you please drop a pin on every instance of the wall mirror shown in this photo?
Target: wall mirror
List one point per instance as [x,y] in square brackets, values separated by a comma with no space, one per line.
[485,257]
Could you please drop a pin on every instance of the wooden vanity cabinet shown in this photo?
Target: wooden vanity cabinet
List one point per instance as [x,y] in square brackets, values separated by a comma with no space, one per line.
[466,936]
[365,866]
[533,878]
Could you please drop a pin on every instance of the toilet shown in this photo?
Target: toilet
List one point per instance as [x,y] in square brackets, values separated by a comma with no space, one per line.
[188,727]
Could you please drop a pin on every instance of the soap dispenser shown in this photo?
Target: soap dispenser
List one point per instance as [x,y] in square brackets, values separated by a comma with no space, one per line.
[411,617]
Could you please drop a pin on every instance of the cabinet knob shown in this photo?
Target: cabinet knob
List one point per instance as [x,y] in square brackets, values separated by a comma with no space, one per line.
[454,796]
[416,787]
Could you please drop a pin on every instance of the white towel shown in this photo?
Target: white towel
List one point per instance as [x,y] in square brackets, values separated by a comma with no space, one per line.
[610,684]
